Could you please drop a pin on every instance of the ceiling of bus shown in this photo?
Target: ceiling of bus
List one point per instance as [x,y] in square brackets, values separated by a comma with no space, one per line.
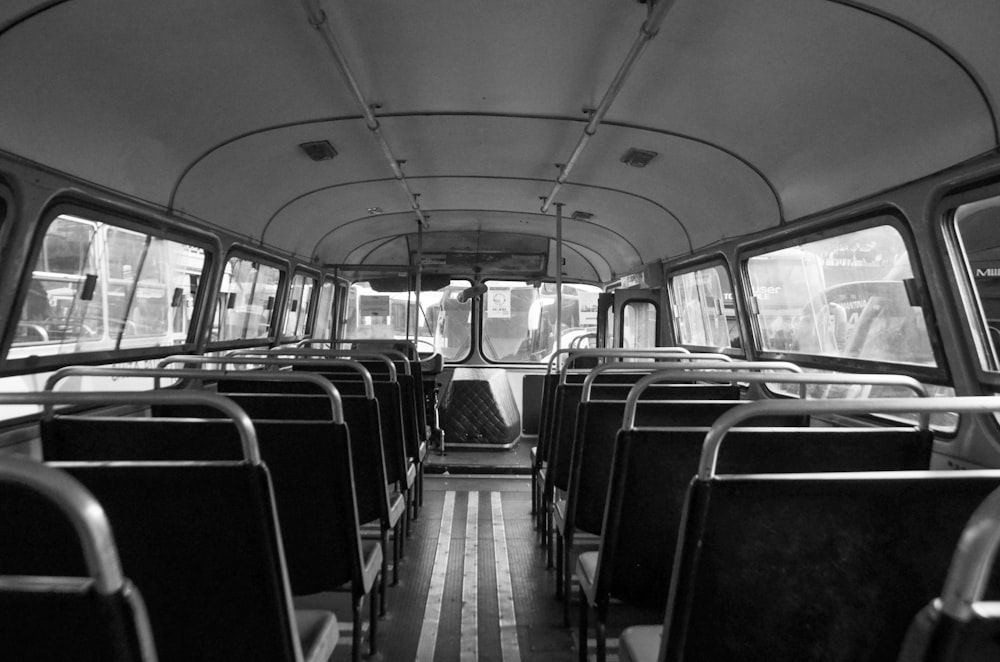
[762,112]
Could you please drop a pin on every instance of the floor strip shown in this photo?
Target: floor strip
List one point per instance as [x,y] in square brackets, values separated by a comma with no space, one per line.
[470,584]
[435,596]
[509,649]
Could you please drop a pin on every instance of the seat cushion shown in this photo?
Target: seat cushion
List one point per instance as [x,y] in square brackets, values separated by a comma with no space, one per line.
[318,633]
[640,643]
[586,573]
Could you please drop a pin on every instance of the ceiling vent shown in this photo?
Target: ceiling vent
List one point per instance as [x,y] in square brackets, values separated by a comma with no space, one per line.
[321,150]
[638,158]
[581,215]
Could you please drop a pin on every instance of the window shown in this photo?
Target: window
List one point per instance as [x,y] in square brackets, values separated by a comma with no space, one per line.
[246,301]
[850,296]
[96,286]
[520,321]
[324,311]
[297,311]
[638,324]
[704,312]
[977,226]
[442,323]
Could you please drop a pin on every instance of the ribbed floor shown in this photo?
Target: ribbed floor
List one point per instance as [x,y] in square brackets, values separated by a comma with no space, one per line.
[474,584]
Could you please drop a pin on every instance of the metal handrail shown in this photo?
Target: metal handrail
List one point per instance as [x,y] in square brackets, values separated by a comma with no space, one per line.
[925,406]
[197,359]
[298,352]
[614,351]
[80,507]
[687,367]
[244,426]
[661,354]
[325,385]
[363,341]
[902,381]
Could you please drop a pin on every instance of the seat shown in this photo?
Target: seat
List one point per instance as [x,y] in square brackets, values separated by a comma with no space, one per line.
[203,542]
[307,458]
[381,507]
[579,518]
[960,625]
[650,475]
[62,593]
[478,409]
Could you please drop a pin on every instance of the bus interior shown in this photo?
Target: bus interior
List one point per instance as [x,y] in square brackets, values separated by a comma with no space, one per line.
[400,330]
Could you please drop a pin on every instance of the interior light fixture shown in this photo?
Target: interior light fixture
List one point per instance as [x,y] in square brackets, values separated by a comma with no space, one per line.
[638,158]
[320,150]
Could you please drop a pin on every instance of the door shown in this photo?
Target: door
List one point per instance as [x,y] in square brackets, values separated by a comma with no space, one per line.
[630,318]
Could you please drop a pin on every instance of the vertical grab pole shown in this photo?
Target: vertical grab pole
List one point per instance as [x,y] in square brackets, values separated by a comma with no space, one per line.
[559,218]
[419,279]
[337,304]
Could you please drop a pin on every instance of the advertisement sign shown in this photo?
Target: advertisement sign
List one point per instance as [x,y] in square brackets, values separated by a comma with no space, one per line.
[498,303]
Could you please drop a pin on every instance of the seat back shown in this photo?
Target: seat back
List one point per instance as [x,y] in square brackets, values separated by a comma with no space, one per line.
[118,438]
[262,405]
[313,478]
[370,476]
[813,566]
[202,541]
[361,415]
[62,593]
[598,422]
[399,440]
[309,464]
[961,626]
[653,467]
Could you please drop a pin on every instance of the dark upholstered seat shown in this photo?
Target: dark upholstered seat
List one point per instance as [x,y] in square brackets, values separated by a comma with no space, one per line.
[62,593]
[478,407]
[650,475]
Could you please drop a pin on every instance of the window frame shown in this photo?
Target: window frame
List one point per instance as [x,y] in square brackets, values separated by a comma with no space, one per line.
[246,253]
[738,308]
[329,316]
[121,219]
[309,311]
[479,312]
[348,306]
[880,216]
[985,363]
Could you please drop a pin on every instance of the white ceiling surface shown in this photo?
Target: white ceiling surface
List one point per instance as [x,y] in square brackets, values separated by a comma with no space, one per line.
[762,111]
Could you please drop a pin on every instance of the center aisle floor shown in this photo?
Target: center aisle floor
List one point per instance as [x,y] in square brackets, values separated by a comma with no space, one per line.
[473,584]
[469,460]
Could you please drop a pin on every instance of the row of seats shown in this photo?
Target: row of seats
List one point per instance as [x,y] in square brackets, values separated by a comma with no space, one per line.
[822,565]
[342,461]
[199,540]
[626,498]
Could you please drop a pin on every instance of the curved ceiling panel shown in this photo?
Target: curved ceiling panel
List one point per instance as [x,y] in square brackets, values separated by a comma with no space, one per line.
[242,184]
[552,57]
[593,260]
[639,224]
[967,30]
[245,183]
[830,102]
[127,95]
[761,112]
